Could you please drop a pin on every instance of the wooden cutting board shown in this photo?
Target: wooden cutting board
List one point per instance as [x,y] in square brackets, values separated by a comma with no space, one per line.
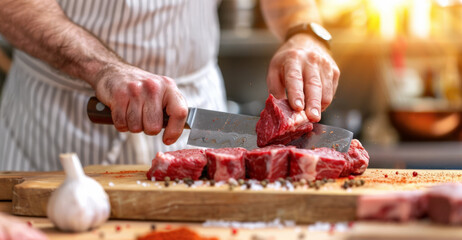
[132,196]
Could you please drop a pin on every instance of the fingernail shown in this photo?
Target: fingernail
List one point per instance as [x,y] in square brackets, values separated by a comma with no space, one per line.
[315,112]
[298,103]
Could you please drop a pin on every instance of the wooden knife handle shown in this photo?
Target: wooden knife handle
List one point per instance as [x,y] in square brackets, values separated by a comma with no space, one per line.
[101,114]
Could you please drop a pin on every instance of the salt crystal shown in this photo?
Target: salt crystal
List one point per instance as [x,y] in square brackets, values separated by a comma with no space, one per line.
[138,182]
[111,184]
[144,184]
[153,179]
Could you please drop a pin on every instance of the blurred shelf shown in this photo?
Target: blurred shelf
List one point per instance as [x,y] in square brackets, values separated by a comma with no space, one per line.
[437,155]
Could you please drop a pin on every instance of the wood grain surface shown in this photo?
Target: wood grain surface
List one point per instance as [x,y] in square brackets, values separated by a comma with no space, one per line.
[132,196]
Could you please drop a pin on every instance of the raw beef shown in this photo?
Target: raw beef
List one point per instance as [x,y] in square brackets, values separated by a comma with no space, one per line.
[399,206]
[280,124]
[445,203]
[226,163]
[270,162]
[357,159]
[178,164]
[316,164]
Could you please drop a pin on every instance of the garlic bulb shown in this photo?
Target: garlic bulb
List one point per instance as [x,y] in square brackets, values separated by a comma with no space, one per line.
[80,202]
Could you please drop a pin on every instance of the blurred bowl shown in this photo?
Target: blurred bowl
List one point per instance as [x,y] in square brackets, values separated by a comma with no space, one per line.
[426,125]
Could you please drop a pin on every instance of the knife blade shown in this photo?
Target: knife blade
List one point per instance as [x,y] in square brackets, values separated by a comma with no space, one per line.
[214,129]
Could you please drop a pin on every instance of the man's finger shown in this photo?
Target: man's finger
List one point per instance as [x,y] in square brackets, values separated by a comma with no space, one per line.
[135,115]
[313,92]
[119,111]
[293,78]
[177,111]
[152,117]
[273,81]
[327,86]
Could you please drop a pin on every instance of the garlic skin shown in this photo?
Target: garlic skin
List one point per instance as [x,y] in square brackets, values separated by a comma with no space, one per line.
[80,203]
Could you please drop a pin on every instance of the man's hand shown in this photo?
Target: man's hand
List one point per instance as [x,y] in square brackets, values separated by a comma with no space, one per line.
[137,99]
[12,229]
[304,68]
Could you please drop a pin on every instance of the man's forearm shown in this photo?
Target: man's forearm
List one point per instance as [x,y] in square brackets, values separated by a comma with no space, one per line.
[282,15]
[41,29]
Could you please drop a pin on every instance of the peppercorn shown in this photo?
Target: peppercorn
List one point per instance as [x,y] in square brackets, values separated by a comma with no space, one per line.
[282,181]
[317,184]
[289,179]
[241,182]
[177,180]
[295,184]
[362,181]
[153,227]
[263,183]
[189,183]
[351,182]
[311,184]
[331,180]
[302,182]
[248,185]
[345,185]
[357,183]
[167,179]
[166,183]
[324,180]
[212,182]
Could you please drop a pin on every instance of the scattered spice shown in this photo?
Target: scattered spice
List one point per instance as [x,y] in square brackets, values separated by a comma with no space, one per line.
[182,233]
[397,172]
[386,175]
[168,227]
[234,231]
[351,224]
[118,228]
[153,226]
[29,223]
[414,174]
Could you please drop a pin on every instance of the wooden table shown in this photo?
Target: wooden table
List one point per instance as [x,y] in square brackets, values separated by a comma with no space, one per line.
[132,229]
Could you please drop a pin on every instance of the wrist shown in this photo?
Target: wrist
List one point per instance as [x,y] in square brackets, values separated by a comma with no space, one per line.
[312,29]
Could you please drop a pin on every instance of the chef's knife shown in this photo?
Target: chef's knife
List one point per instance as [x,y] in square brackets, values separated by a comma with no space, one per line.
[213,129]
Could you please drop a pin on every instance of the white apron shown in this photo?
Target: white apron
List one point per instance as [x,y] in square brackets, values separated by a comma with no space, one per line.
[43,111]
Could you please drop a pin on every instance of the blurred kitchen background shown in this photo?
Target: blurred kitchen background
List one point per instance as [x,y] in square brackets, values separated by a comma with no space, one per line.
[400,87]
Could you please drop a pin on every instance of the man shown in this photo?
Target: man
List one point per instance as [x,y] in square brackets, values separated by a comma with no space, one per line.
[139,57]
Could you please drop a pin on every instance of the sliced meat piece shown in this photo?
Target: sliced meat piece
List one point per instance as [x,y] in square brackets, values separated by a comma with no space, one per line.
[280,124]
[226,163]
[316,164]
[271,162]
[357,159]
[400,206]
[445,203]
[186,163]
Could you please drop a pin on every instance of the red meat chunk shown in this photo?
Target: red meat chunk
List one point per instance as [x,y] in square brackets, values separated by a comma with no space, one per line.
[280,124]
[401,206]
[316,164]
[226,163]
[270,162]
[178,164]
[445,203]
[357,159]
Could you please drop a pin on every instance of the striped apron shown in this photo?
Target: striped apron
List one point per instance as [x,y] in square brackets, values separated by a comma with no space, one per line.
[43,111]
